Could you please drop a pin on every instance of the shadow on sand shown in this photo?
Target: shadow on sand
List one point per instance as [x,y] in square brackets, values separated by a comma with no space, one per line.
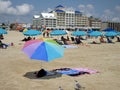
[32,75]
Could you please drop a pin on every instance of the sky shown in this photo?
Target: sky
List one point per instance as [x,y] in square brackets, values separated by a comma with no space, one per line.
[22,11]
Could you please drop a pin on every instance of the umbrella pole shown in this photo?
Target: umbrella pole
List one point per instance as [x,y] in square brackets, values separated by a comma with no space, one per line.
[41,64]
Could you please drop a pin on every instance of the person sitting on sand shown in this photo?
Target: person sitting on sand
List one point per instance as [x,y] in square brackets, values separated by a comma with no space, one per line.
[108,40]
[78,41]
[73,39]
[40,73]
[102,40]
[68,38]
[58,41]
[29,38]
[94,42]
[118,39]
[1,36]
[3,45]
[25,39]
[0,43]
[64,40]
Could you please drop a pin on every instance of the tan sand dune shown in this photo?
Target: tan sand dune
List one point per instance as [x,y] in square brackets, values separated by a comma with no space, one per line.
[16,69]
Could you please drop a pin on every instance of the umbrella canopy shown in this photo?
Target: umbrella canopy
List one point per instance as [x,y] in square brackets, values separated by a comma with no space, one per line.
[32,32]
[3,31]
[109,30]
[95,33]
[110,34]
[89,31]
[119,33]
[47,50]
[58,32]
[79,33]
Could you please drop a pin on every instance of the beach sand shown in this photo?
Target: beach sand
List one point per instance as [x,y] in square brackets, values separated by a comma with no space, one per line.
[16,69]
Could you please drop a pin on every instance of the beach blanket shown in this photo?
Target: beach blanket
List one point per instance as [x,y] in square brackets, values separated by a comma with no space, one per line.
[75,71]
[90,71]
[70,46]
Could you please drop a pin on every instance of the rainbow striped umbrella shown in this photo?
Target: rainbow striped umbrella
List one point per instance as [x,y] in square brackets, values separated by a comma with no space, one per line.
[45,50]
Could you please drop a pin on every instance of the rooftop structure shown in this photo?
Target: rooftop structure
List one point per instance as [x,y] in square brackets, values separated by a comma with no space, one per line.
[48,15]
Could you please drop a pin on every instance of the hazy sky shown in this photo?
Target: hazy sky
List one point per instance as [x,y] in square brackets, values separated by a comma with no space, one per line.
[23,10]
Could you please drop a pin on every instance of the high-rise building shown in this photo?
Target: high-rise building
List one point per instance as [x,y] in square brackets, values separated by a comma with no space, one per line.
[95,23]
[63,18]
[113,25]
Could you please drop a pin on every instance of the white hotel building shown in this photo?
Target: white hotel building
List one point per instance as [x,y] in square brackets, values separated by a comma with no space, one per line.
[62,18]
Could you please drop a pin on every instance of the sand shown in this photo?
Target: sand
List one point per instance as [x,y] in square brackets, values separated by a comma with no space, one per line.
[16,69]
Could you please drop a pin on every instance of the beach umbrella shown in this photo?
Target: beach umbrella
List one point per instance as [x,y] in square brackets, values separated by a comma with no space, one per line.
[3,31]
[44,50]
[119,33]
[79,33]
[110,34]
[32,32]
[89,31]
[58,32]
[109,30]
[95,33]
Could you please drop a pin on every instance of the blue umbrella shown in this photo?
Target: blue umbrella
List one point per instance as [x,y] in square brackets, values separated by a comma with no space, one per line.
[95,33]
[32,32]
[90,30]
[3,31]
[79,33]
[119,33]
[109,30]
[110,34]
[58,32]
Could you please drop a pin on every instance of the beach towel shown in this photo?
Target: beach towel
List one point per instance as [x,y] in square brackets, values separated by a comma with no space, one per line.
[66,71]
[70,46]
[90,71]
[75,71]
